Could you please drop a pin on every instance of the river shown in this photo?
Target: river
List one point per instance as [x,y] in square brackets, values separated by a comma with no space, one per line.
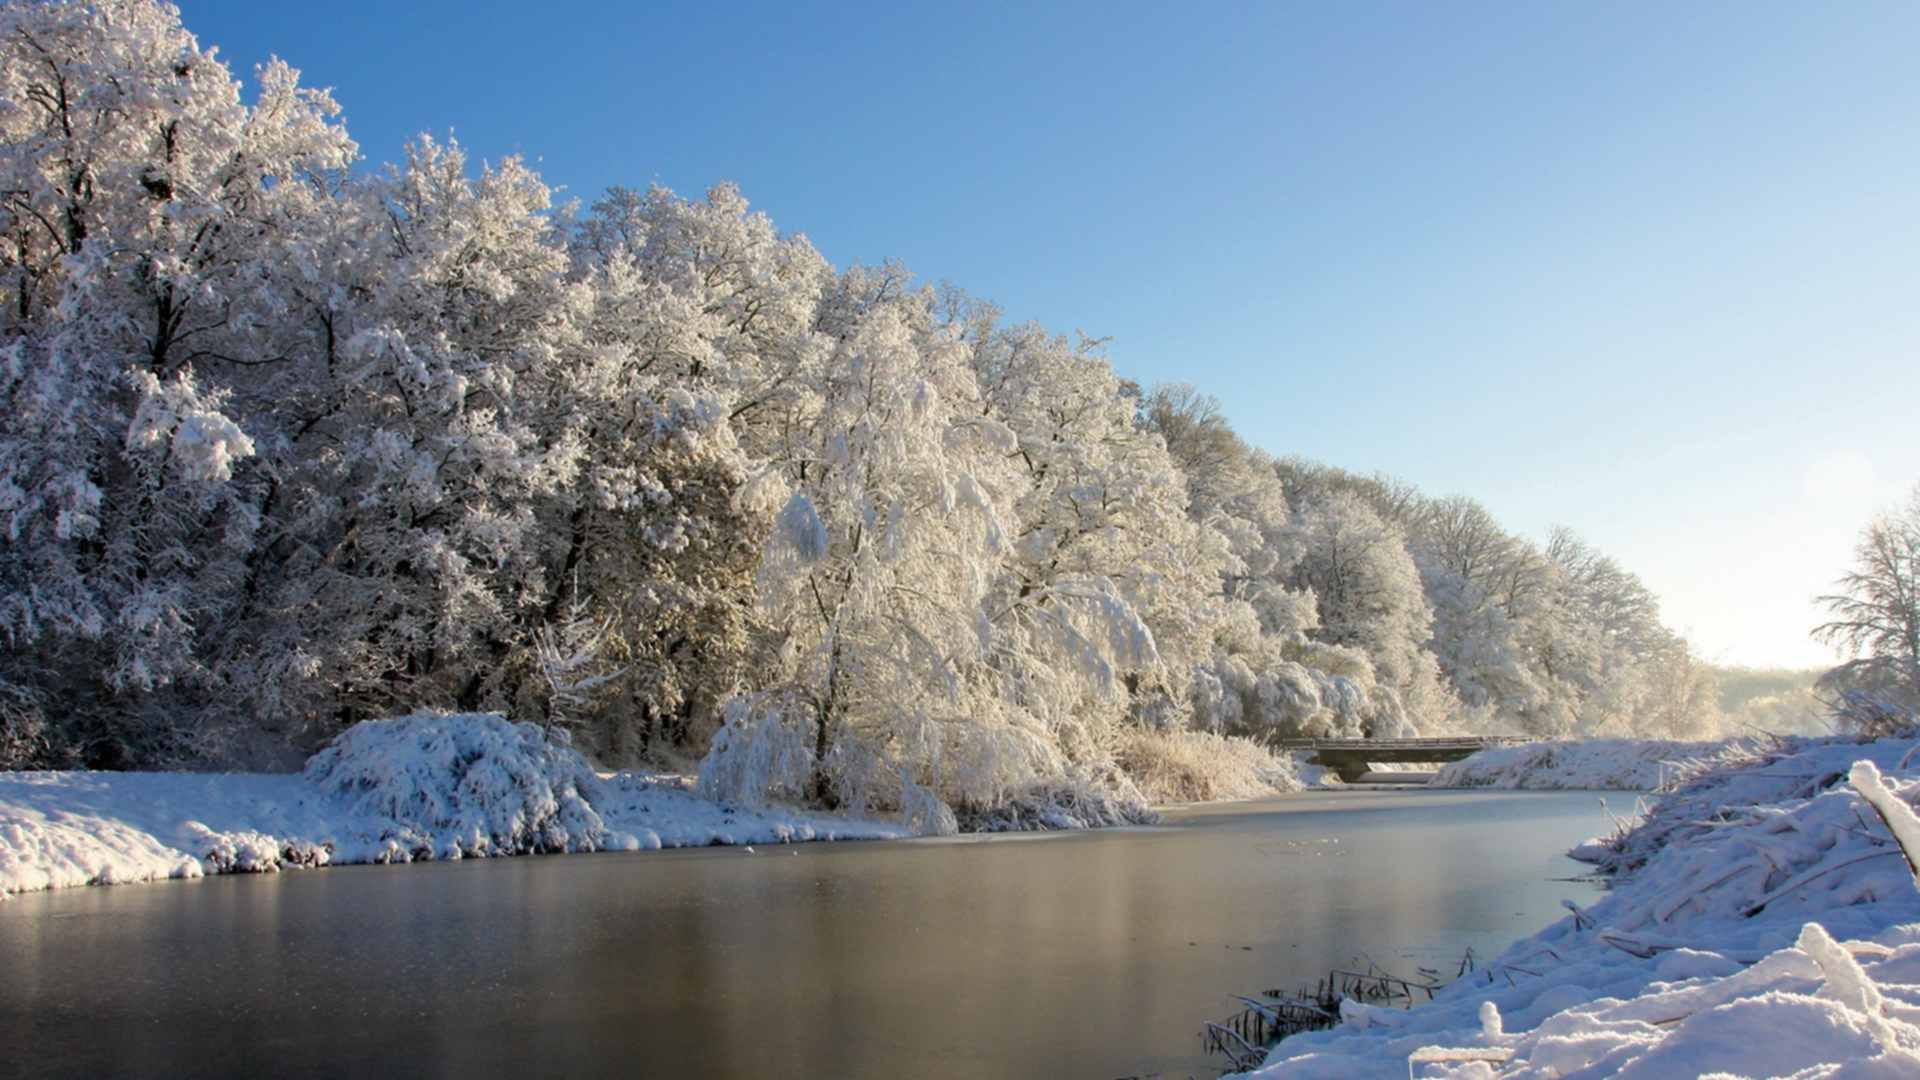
[1078,955]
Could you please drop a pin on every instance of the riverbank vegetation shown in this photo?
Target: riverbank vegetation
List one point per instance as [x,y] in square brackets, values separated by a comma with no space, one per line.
[290,443]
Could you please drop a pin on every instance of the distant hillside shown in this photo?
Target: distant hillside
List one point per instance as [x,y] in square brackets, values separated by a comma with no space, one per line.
[1779,700]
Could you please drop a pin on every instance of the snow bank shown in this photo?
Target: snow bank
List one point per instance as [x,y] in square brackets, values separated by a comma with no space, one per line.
[1591,764]
[1760,925]
[428,786]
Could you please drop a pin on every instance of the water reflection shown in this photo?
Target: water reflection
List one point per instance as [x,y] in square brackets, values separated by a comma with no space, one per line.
[1094,955]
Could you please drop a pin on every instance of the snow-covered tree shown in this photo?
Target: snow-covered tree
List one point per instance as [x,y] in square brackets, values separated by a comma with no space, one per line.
[888,532]
[1876,624]
[440,425]
[1112,592]
[1370,599]
[151,217]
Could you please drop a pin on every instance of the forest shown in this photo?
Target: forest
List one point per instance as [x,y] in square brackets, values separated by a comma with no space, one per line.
[289,442]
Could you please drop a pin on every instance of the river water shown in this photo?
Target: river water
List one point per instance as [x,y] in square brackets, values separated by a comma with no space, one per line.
[1079,955]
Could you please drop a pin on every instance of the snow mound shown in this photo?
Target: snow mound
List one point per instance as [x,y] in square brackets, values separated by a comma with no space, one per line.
[1585,765]
[465,784]
[1764,922]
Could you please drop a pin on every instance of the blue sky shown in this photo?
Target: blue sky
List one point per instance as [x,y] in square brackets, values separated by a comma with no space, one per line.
[1644,270]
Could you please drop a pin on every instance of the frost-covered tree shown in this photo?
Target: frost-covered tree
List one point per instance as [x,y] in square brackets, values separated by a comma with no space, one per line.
[1370,599]
[887,537]
[1595,642]
[1876,624]
[1112,592]
[1257,681]
[151,217]
[446,424]
[1482,584]
[692,303]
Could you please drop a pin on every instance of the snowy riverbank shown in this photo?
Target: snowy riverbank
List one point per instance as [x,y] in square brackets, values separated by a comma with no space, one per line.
[423,787]
[1582,764]
[1763,924]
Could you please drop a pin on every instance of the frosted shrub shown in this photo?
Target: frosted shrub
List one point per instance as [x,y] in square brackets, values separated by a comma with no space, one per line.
[1197,766]
[464,784]
[758,754]
[1290,699]
[923,812]
[1083,797]
[982,763]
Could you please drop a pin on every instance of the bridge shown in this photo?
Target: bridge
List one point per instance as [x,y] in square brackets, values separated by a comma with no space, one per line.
[1350,757]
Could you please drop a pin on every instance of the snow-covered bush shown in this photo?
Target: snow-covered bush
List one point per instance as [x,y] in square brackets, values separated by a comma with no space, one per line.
[923,811]
[465,784]
[1870,713]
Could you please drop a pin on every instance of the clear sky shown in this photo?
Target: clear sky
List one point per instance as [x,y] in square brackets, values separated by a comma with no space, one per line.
[1645,270]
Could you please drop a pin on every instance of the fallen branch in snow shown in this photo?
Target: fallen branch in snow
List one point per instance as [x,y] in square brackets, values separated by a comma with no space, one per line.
[1817,872]
[1667,908]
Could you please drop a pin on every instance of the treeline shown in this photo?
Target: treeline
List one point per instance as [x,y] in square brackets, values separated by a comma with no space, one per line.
[286,446]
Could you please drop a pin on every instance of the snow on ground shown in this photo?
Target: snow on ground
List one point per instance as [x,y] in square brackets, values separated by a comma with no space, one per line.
[1314,776]
[1589,764]
[1763,923]
[427,786]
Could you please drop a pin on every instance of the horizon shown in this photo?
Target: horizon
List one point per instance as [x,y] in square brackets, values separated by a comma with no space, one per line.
[1655,258]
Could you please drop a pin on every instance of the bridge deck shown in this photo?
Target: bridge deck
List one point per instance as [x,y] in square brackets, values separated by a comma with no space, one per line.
[1352,758]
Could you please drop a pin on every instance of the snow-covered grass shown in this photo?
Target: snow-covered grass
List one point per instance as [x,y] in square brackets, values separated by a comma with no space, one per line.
[1588,764]
[428,786]
[1762,924]
[1083,799]
[1195,766]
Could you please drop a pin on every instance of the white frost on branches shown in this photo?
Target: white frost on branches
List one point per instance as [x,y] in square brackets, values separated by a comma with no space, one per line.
[286,444]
